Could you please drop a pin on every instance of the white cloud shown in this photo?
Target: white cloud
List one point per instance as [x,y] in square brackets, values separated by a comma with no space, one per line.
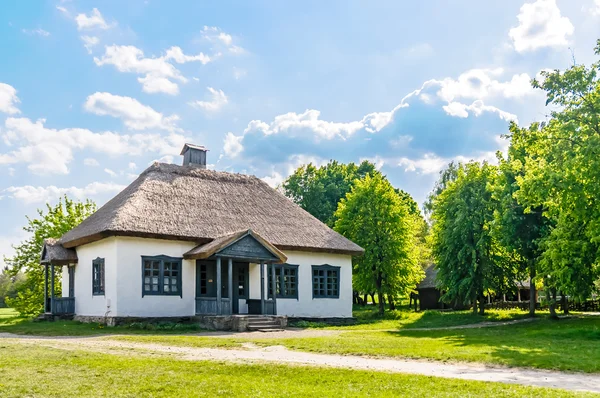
[135,115]
[29,194]
[132,166]
[232,145]
[49,151]
[225,40]
[110,172]
[477,108]
[152,84]
[596,8]
[8,99]
[484,83]
[91,162]
[159,73]
[541,25]
[217,102]
[62,9]
[176,54]
[274,180]
[90,42]
[38,32]
[431,163]
[94,21]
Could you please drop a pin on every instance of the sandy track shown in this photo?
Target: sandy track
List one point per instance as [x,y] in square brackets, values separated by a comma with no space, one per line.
[278,354]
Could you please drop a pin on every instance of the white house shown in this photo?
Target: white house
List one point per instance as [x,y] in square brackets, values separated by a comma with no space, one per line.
[184,241]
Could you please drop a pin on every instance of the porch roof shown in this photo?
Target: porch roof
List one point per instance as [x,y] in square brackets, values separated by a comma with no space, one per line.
[242,244]
[55,253]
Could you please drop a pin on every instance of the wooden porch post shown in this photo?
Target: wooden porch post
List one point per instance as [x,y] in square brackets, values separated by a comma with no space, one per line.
[219,286]
[230,283]
[262,287]
[519,295]
[273,286]
[45,287]
[52,287]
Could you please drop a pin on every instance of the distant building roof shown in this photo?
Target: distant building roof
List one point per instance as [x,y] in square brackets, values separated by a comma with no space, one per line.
[430,278]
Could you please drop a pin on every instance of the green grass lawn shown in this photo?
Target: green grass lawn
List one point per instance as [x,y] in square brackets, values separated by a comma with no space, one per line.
[11,322]
[29,370]
[568,344]
[367,317]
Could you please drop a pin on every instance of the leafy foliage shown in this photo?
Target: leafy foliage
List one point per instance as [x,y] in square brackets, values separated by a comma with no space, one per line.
[318,190]
[562,176]
[469,259]
[375,217]
[51,223]
[518,229]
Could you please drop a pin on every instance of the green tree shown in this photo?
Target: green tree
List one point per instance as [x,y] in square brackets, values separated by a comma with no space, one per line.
[375,217]
[318,190]
[520,230]
[447,175]
[562,175]
[51,223]
[469,260]
[9,285]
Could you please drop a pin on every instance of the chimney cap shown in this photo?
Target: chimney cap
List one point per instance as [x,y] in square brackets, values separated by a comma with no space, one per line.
[187,146]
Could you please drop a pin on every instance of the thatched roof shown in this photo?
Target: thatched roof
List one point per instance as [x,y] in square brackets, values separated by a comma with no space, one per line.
[430,278]
[206,250]
[191,203]
[54,253]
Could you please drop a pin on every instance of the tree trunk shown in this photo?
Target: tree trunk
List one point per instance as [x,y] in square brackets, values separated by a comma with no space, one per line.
[381,303]
[481,305]
[564,303]
[532,291]
[474,304]
[552,303]
[373,298]
[392,304]
[366,299]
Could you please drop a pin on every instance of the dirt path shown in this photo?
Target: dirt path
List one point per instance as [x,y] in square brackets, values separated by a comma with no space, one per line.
[278,354]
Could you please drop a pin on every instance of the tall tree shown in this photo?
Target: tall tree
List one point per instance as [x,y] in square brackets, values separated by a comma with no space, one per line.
[51,223]
[374,216]
[447,175]
[469,260]
[519,229]
[318,190]
[562,175]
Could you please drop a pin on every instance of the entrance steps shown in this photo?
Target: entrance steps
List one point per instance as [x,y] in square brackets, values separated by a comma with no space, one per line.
[263,324]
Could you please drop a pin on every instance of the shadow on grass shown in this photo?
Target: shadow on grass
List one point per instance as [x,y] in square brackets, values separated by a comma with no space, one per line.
[567,344]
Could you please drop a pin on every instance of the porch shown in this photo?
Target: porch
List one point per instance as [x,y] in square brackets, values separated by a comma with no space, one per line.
[54,305]
[223,277]
[54,255]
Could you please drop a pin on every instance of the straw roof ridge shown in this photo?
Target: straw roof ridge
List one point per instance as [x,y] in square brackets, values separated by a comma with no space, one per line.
[192,203]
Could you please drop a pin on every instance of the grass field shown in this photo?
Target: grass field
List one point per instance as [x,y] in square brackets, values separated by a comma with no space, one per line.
[368,319]
[11,322]
[29,370]
[567,344]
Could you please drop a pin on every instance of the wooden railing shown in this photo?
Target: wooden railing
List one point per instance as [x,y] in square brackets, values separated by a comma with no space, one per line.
[63,305]
[208,306]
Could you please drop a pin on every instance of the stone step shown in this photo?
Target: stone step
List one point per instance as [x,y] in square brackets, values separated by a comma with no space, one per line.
[270,328]
[260,319]
[264,323]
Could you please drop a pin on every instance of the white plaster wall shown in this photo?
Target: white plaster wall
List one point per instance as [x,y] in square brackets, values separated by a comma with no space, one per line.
[87,304]
[305,305]
[129,279]
[64,280]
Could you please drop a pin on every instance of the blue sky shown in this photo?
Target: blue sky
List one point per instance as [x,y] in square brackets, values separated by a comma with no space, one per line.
[91,93]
